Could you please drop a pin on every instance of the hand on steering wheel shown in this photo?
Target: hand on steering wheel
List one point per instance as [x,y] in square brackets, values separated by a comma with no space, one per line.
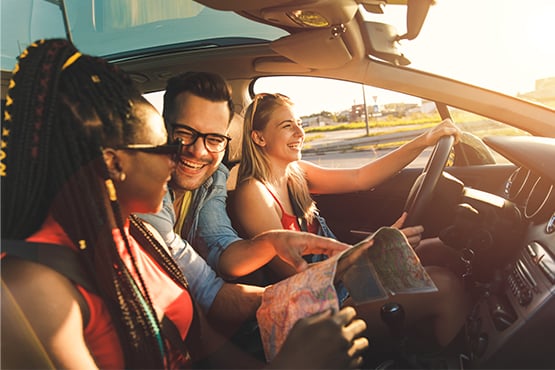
[422,190]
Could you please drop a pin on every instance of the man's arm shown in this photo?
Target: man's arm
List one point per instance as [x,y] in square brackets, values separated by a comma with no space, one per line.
[233,257]
[224,302]
[234,304]
[245,256]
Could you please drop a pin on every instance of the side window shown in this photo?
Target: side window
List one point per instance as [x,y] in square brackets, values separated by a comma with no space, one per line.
[347,124]
[475,127]
[156,98]
[24,22]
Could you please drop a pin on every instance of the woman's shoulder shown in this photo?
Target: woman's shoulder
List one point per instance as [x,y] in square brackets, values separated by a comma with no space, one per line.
[248,185]
[33,284]
[251,190]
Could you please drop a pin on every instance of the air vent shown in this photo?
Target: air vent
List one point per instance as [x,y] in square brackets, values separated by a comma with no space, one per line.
[540,201]
[550,224]
[516,182]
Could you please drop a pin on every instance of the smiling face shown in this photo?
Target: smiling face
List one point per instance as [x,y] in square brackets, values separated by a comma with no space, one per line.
[196,164]
[283,136]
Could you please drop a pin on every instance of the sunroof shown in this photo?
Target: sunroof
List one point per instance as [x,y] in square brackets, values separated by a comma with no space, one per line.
[125,27]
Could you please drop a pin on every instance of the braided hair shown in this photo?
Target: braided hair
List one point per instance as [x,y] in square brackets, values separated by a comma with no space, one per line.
[61,109]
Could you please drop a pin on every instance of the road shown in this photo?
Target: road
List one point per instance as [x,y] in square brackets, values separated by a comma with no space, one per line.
[357,158]
[333,149]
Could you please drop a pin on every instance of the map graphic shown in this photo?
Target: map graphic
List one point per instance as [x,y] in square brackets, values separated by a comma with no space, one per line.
[388,267]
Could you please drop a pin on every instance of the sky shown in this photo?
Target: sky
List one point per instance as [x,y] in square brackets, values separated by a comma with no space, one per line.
[504,45]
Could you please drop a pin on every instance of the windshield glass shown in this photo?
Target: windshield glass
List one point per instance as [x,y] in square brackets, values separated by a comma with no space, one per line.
[126,27]
[503,45]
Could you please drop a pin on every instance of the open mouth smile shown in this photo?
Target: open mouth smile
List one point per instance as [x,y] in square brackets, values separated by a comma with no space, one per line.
[190,164]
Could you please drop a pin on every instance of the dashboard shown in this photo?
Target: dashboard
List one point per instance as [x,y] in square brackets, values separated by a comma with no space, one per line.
[512,324]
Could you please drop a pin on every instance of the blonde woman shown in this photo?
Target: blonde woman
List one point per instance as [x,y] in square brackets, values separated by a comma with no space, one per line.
[274,184]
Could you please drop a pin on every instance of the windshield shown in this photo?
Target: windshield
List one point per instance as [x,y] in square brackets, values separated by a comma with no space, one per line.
[503,45]
[125,28]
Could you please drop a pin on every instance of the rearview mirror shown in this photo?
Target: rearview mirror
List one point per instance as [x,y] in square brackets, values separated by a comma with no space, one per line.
[382,42]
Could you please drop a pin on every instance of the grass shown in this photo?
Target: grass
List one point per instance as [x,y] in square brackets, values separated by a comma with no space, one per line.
[391,122]
[417,119]
[475,124]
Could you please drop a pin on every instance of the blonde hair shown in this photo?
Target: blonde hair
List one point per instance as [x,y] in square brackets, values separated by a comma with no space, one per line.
[255,164]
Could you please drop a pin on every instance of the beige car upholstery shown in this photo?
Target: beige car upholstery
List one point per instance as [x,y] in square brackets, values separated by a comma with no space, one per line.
[234,150]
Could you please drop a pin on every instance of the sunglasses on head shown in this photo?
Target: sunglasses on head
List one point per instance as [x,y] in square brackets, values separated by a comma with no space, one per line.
[174,148]
[262,96]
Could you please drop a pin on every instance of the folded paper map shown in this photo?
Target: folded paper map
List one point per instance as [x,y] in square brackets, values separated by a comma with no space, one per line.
[388,267]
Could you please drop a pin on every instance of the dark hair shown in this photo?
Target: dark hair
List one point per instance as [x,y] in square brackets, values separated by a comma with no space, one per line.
[205,85]
[61,109]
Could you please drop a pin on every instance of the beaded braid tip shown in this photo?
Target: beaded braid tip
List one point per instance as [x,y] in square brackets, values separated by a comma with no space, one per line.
[71,60]
[82,244]
[111,190]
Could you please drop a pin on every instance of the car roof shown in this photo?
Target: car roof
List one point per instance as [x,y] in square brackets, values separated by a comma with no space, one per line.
[127,31]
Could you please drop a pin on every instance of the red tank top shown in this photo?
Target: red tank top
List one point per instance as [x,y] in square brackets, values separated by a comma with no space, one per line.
[99,333]
[289,221]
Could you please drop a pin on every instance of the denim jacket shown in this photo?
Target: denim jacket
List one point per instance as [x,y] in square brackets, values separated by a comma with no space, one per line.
[207,225]
[324,229]
[204,285]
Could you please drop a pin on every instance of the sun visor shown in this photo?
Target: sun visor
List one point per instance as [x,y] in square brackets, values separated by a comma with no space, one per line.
[278,65]
[382,42]
[319,49]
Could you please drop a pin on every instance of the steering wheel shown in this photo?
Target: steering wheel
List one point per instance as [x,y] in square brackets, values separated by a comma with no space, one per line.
[422,190]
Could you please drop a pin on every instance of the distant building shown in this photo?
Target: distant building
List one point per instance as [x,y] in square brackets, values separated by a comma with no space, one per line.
[544,92]
[316,121]
[399,109]
[357,112]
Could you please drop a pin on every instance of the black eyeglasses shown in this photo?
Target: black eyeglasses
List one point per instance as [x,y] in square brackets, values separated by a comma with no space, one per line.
[174,148]
[214,143]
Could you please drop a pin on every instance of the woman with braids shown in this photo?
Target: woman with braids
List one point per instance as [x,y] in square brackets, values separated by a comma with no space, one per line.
[85,284]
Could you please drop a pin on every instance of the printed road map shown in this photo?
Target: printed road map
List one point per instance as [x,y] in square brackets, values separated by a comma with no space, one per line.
[388,267]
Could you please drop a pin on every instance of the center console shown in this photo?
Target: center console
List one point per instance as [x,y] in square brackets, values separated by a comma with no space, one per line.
[513,325]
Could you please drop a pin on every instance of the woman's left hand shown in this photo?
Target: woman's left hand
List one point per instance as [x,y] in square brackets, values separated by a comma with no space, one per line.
[413,233]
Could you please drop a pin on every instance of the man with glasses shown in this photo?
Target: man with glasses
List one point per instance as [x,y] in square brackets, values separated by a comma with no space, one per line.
[198,110]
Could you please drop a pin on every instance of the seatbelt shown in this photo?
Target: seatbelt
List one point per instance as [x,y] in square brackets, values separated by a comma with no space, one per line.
[66,261]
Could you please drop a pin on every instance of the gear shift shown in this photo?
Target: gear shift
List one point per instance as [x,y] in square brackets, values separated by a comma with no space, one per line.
[393,315]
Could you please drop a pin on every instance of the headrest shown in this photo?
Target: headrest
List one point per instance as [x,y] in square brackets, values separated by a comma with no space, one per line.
[236,133]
